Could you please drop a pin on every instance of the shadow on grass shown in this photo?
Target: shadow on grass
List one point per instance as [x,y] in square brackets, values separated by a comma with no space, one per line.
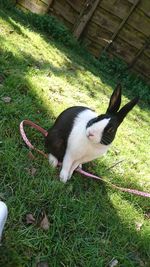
[106,69]
[87,229]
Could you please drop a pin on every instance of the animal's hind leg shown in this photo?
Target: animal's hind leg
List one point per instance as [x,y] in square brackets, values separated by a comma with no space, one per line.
[53,161]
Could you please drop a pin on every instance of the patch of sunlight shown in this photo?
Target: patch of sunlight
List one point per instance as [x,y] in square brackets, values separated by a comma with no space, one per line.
[126,211]
[58,94]
[32,46]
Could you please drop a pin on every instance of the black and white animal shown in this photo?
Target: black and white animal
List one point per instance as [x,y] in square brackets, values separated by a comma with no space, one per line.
[79,135]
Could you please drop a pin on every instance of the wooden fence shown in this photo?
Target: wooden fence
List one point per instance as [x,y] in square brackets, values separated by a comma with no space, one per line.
[121,27]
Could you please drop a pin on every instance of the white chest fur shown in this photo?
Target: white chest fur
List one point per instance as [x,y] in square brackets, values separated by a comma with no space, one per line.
[80,147]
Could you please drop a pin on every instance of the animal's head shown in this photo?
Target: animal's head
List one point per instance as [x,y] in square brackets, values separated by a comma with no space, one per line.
[103,128]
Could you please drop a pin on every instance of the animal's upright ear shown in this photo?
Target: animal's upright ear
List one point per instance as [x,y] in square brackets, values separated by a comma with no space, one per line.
[115,100]
[124,110]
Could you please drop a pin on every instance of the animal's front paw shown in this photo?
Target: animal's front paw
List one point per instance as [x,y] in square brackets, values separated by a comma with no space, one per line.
[52,160]
[64,176]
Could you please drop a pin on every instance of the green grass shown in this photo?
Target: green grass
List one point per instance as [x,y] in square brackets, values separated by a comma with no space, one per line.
[90,223]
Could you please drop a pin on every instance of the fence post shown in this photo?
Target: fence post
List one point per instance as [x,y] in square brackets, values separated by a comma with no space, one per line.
[85,15]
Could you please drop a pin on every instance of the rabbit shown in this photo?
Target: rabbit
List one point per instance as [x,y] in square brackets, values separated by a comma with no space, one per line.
[79,135]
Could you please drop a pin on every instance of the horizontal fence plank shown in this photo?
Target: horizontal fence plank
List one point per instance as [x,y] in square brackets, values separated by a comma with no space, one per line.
[47,2]
[147,52]
[76,5]
[40,8]
[64,11]
[123,50]
[95,48]
[140,22]
[118,8]
[131,1]
[98,34]
[145,7]
[132,36]
[106,20]
[139,53]
[142,66]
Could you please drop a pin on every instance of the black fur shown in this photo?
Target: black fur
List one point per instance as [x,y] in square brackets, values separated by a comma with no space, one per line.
[98,118]
[125,109]
[110,131]
[56,140]
[115,100]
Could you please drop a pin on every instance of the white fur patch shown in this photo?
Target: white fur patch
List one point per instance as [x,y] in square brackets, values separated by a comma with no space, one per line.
[94,132]
[80,147]
[52,160]
[3,216]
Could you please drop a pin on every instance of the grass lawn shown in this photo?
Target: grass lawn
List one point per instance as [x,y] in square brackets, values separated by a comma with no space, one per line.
[90,223]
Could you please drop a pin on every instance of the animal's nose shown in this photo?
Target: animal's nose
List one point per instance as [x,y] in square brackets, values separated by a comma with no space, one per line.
[90,134]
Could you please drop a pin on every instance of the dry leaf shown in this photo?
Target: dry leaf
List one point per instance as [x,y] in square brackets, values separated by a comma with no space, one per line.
[31,171]
[6,99]
[30,219]
[31,156]
[44,224]
[138,225]
[42,264]
[142,264]
[113,263]
[72,68]
[147,215]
